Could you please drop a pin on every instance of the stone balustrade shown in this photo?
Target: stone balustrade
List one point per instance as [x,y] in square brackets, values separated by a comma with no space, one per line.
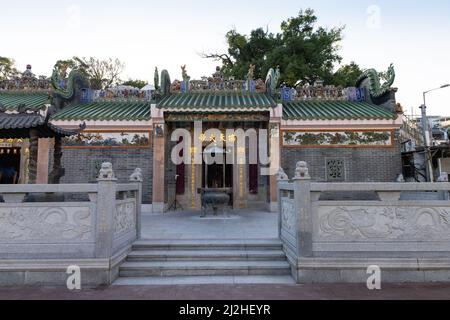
[333,233]
[41,234]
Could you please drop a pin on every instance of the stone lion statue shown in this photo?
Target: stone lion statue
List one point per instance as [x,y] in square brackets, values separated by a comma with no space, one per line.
[106,171]
[137,175]
[281,175]
[301,170]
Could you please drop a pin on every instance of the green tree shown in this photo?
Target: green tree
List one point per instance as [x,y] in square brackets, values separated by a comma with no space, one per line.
[7,68]
[135,83]
[346,75]
[101,74]
[304,52]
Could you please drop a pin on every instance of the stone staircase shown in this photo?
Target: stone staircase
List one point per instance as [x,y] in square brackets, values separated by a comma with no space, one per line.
[158,262]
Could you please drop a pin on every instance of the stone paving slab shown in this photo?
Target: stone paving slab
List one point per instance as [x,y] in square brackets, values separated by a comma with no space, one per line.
[244,224]
[238,292]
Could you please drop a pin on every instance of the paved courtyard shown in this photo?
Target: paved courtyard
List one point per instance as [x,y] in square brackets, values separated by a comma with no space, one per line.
[238,292]
[240,224]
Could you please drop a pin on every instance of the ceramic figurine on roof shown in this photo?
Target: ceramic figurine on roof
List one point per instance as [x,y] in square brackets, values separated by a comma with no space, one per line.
[185,85]
[371,79]
[27,73]
[64,95]
[251,72]
[184,74]
[217,76]
[272,79]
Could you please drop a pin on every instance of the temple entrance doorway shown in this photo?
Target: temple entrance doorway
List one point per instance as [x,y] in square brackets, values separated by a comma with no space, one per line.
[243,181]
[218,176]
[10,165]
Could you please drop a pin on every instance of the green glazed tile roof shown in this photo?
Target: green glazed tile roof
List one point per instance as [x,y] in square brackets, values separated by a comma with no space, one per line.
[33,100]
[217,100]
[16,126]
[334,110]
[106,111]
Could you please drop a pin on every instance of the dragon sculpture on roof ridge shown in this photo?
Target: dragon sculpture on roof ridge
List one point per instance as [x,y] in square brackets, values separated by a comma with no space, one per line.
[69,91]
[376,89]
[272,79]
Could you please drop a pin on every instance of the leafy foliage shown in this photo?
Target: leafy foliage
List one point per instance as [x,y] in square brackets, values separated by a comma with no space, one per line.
[346,75]
[135,83]
[101,74]
[304,52]
[7,68]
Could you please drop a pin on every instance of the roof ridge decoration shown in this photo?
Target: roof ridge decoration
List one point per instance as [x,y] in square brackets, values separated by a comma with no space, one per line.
[215,83]
[272,79]
[165,82]
[156,78]
[68,92]
[376,89]
[25,82]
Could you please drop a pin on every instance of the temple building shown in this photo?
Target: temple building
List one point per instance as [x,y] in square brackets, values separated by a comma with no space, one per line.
[345,134]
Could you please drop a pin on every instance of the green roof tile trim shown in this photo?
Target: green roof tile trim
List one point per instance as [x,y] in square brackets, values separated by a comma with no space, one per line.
[106,111]
[33,100]
[334,110]
[212,100]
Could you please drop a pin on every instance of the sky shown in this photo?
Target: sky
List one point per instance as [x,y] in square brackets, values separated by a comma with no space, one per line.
[414,35]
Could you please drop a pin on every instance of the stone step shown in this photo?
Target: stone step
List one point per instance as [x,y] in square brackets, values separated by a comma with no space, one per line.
[199,280]
[269,244]
[203,268]
[213,255]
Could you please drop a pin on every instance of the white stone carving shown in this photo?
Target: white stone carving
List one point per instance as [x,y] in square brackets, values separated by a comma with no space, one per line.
[400,178]
[45,223]
[288,215]
[384,223]
[106,172]
[137,175]
[125,217]
[302,171]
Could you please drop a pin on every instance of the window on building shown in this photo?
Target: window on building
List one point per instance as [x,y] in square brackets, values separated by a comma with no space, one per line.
[335,170]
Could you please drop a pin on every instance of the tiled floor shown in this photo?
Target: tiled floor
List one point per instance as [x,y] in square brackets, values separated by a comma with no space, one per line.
[242,224]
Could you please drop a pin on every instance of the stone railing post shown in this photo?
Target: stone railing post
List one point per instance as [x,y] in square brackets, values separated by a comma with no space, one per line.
[281,177]
[302,195]
[106,208]
[136,177]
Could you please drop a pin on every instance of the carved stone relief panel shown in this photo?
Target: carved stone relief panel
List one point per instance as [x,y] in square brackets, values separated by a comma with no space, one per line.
[45,224]
[288,215]
[125,217]
[378,223]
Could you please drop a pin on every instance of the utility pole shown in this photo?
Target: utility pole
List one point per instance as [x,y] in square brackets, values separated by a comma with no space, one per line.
[427,135]
[427,142]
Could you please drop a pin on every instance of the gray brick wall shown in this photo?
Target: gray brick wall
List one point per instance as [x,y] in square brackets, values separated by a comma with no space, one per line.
[361,164]
[82,165]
